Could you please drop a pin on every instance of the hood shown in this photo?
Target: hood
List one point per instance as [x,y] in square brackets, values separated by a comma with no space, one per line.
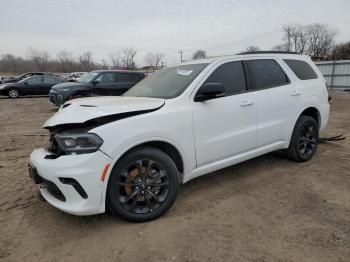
[10,80]
[69,85]
[12,84]
[81,110]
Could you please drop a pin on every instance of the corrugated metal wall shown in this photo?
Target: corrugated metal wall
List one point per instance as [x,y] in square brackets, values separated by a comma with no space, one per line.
[336,73]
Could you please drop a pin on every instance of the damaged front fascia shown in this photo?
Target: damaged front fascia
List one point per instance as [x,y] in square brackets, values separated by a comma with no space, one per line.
[84,127]
[95,122]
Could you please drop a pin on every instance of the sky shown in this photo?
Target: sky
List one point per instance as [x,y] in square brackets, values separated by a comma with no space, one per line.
[105,26]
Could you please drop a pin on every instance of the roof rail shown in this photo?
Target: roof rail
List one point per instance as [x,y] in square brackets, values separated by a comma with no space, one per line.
[267,52]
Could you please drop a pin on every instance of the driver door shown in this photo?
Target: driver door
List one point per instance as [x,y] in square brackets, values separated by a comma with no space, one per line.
[225,126]
[104,84]
[33,85]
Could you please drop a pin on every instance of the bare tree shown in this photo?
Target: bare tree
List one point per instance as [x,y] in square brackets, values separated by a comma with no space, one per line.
[154,60]
[39,59]
[199,54]
[86,62]
[128,58]
[295,38]
[115,59]
[280,47]
[341,51]
[252,49]
[65,61]
[315,40]
[321,40]
[11,64]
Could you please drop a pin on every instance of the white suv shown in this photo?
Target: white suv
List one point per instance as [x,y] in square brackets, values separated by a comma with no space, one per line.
[131,153]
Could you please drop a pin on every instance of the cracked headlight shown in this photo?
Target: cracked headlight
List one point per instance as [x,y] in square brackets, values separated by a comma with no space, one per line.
[78,143]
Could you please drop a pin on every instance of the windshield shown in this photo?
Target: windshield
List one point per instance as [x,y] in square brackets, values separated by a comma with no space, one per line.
[166,83]
[25,79]
[88,77]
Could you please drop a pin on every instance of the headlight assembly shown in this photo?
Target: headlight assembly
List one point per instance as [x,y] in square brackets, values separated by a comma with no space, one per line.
[2,86]
[78,143]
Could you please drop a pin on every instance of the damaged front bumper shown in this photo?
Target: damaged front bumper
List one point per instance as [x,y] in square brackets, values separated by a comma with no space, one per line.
[71,183]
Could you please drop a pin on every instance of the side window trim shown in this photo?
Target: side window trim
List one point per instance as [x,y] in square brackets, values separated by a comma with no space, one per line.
[252,77]
[250,83]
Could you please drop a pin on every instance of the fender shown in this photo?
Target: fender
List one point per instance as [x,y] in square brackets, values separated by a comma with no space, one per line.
[133,145]
[299,114]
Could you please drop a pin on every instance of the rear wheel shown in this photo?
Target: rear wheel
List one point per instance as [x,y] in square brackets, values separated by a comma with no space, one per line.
[13,93]
[143,185]
[303,143]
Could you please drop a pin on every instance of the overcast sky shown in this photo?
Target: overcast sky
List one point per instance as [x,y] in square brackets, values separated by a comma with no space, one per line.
[105,26]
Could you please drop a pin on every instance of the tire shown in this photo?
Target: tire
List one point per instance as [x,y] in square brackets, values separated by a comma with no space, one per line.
[143,185]
[13,93]
[303,143]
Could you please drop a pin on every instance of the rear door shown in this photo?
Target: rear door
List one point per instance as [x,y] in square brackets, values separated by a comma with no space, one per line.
[278,99]
[48,82]
[33,85]
[225,126]
[125,81]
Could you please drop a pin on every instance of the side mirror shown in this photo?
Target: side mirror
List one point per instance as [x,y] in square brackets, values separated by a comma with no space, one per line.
[210,91]
[95,82]
[26,83]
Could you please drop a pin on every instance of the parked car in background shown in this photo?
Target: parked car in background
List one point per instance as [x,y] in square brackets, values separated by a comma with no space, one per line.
[96,83]
[131,153]
[21,77]
[34,85]
[75,76]
[4,77]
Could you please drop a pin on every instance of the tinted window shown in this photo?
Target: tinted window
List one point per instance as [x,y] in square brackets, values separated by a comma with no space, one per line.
[129,77]
[301,69]
[106,78]
[267,73]
[125,77]
[49,80]
[34,80]
[86,78]
[168,82]
[231,75]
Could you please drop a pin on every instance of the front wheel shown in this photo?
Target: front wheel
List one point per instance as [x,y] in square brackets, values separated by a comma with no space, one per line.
[143,185]
[13,93]
[303,143]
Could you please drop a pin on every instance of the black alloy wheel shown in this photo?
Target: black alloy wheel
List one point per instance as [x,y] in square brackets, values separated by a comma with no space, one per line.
[143,185]
[304,139]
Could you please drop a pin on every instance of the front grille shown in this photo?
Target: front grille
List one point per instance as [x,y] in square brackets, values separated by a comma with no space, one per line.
[53,190]
[52,99]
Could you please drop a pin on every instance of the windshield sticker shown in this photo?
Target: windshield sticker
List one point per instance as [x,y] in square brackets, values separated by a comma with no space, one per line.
[184,72]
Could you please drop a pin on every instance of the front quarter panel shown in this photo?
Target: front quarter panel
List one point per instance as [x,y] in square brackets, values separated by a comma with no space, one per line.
[172,123]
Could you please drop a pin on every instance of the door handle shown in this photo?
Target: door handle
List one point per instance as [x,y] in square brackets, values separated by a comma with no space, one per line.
[246,103]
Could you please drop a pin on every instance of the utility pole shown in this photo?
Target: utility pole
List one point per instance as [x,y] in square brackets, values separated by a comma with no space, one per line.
[180,52]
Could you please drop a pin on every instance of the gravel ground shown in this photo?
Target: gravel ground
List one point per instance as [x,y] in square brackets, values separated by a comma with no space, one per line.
[266,209]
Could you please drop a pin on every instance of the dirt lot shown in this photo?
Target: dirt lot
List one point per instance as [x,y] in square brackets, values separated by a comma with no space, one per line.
[266,209]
